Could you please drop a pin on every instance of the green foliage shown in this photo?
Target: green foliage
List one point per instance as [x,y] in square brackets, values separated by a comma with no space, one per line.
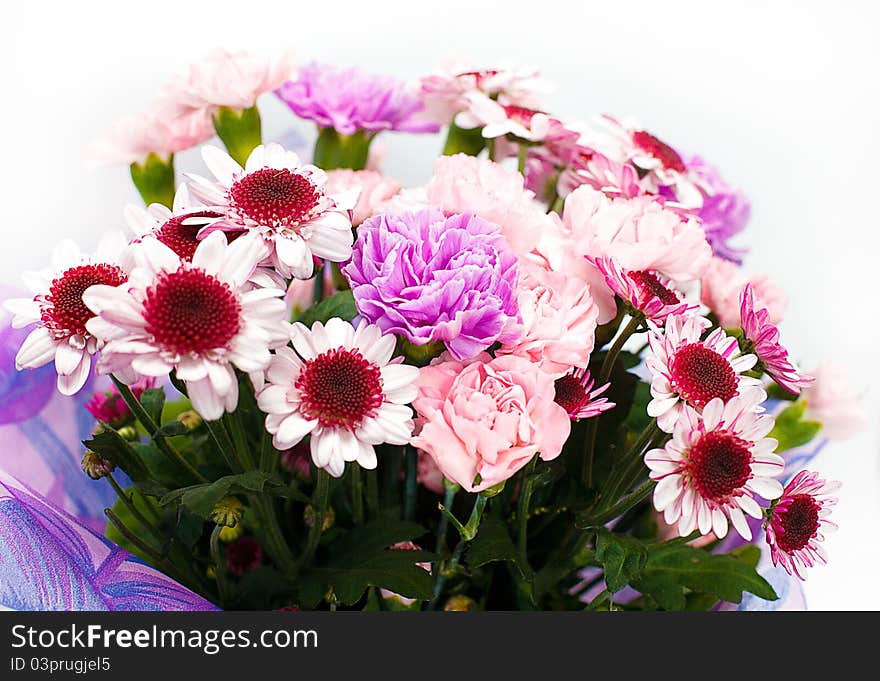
[675,571]
[200,499]
[362,559]
[338,305]
[464,141]
[493,543]
[146,506]
[623,558]
[333,150]
[153,401]
[791,429]
[240,131]
[110,445]
[154,179]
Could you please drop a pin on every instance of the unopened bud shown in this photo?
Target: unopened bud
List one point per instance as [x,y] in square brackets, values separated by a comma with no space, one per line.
[128,433]
[494,490]
[96,466]
[460,603]
[329,519]
[230,534]
[190,419]
[227,512]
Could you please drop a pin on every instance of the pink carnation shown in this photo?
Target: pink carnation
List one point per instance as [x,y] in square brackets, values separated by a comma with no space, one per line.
[721,286]
[830,400]
[429,474]
[163,130]
[466,184]
[638,233]
[487,417]
[230,79]
[375,190]
[559,320]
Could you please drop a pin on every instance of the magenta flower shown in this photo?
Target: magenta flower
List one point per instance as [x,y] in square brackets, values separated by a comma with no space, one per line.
[797,521]
[764,337]
[575,394]
[350,100]
[430,278]
[109,407]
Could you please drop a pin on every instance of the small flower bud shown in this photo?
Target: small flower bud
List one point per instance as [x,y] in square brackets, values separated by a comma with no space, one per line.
[95,466]
[329,519]
[128,433]
[228,512]
[494,490]
[230,534]
[460,603]
[190,419]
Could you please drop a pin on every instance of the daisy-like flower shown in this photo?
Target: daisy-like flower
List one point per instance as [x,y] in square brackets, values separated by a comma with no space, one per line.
[715,465]
[688,371]
[283,202]
[521,122]
[341,387]
[192,318]
[762,338]
[575,394]
[797,521]
[60,312]
[644,291]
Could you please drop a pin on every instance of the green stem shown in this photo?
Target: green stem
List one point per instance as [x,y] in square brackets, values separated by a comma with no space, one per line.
[557,205]
[242,450]
[224,444]
[152,427]
[320,500]
[611,486]
[522,155]
[443,574]
[373,493]
[490,145]
[318,294]
[443,527]
[410,488]
[629,502]
[468,532]
[357,495]
[129,504]
[148,549]
[604,373]
[268,455]
[525,499]
[219,565]
[276,544]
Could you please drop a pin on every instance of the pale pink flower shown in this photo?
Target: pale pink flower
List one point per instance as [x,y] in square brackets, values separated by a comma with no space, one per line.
[575,394]
[283,202]
[228,79]
[60,313]
[643,291]
[639,233]
[690,372]
[445,91]
[721,286]
[375,190]
[715,465]
[498,119]
[466,184]
[798,520]
[831,401]
[558,318]
[763,339]
[193,318]
[341,388]
[487,418]
[162,130]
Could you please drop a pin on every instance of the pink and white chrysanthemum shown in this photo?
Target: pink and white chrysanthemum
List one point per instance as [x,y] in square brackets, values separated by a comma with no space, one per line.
[690,372]
[341,387]
[644,291]
[797,521]
[763,336]
[575,394]
[715,465]
[193,318]
[498,120]
[60,314]
[282,201]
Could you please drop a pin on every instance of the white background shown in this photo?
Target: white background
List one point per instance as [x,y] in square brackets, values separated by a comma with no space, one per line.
[782,96]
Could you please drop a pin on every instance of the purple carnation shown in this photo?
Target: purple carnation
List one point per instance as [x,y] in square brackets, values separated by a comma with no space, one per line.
[725,211]
[350,100]
[430,277]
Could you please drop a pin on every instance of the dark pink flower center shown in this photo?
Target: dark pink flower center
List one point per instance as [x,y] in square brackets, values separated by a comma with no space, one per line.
[520,114]
[181,238]
[478,76]
[190,311]
[340,388]
[652,287]
[700,374]
[570,393]
[652,146]
[799,521]
[65,313]
[276,197]
[719,464]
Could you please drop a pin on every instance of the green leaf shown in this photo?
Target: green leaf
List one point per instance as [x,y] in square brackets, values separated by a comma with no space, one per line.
[200,499]
[153,400]
[672,572]
[492,543]
[338,305]
[118,451]
[622,557]
[791,429]
[172,429]
[362,559]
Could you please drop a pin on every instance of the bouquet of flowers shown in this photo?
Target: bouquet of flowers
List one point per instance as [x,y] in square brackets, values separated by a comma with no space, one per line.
[538,381]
